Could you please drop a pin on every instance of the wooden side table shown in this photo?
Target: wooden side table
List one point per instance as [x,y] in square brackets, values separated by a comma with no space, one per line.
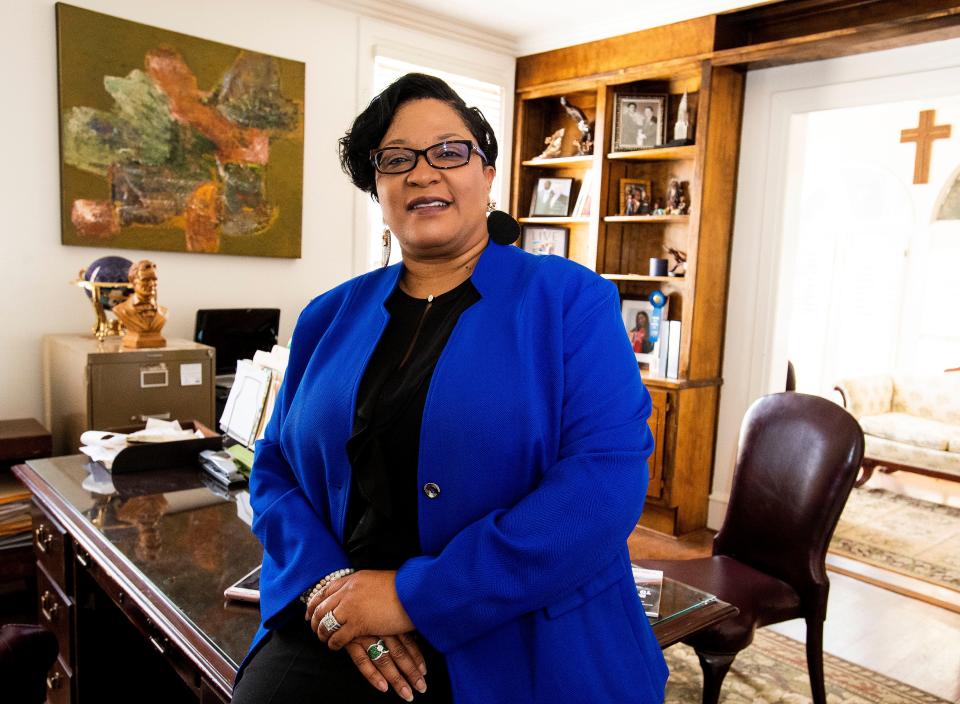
[20,439]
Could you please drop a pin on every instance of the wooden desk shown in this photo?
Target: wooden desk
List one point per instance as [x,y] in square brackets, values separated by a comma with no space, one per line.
[132,582]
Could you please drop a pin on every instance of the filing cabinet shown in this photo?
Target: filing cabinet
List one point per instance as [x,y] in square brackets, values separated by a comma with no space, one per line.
[90,384]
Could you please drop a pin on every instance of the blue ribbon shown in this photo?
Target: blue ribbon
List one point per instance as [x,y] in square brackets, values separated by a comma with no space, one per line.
[658,300]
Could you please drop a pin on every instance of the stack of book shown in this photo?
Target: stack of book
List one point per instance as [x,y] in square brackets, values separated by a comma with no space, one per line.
[666,356]
[14,513]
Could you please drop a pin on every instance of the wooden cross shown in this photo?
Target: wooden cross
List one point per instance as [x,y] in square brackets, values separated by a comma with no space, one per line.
[924,135]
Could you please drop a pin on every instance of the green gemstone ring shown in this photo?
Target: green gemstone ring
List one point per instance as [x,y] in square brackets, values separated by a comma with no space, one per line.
[377,650]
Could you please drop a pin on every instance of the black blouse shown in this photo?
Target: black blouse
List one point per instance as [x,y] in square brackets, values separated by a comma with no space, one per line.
[384,449]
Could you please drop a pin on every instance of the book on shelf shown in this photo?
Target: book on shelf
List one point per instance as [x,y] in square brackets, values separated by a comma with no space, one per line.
[673,349]
[581,208]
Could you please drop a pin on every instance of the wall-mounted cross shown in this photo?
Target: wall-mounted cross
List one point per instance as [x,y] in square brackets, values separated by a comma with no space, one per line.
[924,135]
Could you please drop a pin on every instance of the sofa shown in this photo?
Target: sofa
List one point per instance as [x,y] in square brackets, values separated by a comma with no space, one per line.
[910,423]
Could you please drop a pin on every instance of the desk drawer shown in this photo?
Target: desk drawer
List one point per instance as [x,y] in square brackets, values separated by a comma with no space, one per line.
[60,683]
[149,632]
[50,545]
[56,612]
[126,393]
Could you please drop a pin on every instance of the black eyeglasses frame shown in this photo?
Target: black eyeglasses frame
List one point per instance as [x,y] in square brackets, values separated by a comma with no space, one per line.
[423,152]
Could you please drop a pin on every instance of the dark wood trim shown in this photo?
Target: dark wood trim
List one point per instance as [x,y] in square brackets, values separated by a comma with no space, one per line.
[211,664]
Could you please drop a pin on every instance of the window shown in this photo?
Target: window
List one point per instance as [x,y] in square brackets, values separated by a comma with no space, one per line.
[489,97]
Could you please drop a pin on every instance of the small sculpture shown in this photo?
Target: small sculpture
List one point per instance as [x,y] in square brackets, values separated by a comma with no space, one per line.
[584,145]
[681,128]
[680,261]
[657,209]
[553,145]
[684,206]
[142,318]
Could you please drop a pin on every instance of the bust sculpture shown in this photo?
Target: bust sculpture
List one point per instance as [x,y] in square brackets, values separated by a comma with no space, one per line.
[142,318]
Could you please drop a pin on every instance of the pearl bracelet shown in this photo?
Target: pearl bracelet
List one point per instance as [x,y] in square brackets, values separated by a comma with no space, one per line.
[319,586]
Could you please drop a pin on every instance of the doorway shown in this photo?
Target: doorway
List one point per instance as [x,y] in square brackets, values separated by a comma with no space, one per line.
[838,263]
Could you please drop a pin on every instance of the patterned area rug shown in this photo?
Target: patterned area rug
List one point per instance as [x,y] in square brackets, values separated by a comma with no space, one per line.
[774,669]
[917,538]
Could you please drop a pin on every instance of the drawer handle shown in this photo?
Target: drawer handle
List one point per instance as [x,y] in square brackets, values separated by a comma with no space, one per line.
[49,605]
[44,538]
[82,559]
[54,681]
[158,645]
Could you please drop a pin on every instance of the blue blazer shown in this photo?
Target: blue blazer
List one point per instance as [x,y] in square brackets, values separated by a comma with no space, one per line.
[535,431]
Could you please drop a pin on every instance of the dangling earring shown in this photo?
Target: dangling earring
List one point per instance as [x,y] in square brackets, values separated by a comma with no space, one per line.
[491,206]
[385,250]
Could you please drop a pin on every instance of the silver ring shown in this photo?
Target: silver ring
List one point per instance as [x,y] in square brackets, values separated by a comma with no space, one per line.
[377,650]
[330,622]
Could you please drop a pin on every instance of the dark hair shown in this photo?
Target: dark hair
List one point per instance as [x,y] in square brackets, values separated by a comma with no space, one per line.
[370,125]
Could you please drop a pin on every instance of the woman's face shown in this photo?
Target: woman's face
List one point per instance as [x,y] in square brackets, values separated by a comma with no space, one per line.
[453,202]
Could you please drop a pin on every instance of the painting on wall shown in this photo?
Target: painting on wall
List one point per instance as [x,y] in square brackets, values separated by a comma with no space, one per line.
[175,143]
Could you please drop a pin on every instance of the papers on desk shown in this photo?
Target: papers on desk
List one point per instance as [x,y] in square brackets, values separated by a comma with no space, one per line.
[14,513]
[103,447]
[253,394]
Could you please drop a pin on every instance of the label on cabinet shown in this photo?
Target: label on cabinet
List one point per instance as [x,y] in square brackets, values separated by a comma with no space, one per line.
[191,374]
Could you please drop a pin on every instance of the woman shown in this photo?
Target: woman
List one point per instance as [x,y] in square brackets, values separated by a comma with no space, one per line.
[453,493]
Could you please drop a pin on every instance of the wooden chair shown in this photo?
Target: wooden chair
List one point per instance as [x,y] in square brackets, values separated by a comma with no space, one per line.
[798,458]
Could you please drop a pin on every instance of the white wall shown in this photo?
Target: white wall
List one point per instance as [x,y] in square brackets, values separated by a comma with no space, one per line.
[763,256]
[35,298]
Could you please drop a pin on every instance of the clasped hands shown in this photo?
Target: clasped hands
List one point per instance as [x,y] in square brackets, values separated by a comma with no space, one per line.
[368,609]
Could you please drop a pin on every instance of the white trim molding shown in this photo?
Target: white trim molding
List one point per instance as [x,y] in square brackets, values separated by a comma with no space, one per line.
[430,22]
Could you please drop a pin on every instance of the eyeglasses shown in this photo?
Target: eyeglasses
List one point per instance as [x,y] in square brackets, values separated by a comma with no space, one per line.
[445,155]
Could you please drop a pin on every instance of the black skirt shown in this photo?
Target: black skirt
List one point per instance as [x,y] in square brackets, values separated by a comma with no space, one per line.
[293,666]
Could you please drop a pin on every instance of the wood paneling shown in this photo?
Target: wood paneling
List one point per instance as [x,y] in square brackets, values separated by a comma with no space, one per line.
[611,55]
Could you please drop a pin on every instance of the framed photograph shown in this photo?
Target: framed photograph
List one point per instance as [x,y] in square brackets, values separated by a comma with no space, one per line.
[551,198]
[638,122]
[545,239]
[636,195]
[636,314]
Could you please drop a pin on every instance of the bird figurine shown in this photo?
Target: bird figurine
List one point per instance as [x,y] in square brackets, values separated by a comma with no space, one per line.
[584,145]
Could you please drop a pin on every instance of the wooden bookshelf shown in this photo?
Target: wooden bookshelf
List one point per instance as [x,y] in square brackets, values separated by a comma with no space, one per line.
[675,280]
[688,152]
[617,246]
[707,58]
[553,221]
[560,163]
[646,218]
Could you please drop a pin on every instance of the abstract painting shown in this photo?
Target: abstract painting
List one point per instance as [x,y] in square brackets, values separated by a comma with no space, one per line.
[175,143]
